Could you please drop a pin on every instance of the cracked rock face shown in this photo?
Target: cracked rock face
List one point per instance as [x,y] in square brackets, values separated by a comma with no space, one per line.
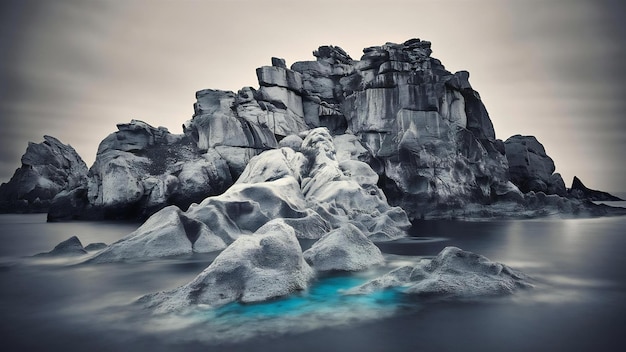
[47,169]
[310,191]
[140,169]
[530,168]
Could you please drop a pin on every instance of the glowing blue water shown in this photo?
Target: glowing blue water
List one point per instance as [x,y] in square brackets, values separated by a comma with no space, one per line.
[324,296]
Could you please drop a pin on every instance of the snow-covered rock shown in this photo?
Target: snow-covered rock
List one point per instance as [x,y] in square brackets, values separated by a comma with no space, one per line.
[453,273]
[47,169]
[345,249]
[265,265]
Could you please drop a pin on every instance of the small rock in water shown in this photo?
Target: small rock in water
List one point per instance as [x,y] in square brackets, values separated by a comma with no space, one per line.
[71,246]
[95,246]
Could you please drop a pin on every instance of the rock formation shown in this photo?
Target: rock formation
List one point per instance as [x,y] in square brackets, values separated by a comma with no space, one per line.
[578,190]
[453,273]
[254,268]
[423,131]
[70,247]
[140,169]
[47,168]
[311,191]
[530,168]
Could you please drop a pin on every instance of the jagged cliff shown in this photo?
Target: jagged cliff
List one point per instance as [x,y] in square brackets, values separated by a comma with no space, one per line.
[422,129]
[47,168]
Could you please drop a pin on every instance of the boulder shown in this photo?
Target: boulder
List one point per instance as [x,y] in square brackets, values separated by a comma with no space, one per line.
[70,247]
[265,265]
[452,274]
[530,168]
[343,249]
[47,169]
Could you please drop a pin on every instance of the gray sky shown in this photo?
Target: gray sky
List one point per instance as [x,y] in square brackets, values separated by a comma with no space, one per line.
[73,69]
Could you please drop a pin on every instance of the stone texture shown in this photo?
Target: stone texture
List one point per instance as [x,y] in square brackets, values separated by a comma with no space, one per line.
[255,268]
[47,169]
[140,169]
[309,190]
[70,247]
[530,168]
[452,274]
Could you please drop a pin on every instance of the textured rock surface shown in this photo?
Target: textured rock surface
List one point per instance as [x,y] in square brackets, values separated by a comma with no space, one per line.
[343,249]
[530,168]
[453,273]
[141,169]
[254,268]
[70,247]
[309,190]
[47,168]
[580,191]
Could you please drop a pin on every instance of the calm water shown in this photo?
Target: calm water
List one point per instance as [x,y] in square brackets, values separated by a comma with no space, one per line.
[579,303]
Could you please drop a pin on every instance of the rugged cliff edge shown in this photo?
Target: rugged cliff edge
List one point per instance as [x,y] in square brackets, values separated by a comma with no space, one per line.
[422,129]
[47,168]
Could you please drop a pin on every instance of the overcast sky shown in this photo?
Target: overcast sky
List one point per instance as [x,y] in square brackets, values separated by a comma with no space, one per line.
[73,69]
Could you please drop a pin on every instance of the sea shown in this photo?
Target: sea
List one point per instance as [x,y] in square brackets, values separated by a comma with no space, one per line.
[578,302]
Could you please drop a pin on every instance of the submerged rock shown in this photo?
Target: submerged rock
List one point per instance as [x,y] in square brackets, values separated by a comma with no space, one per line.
[265,265]
[579,190]
[47,169]
[453,273]
[70,247]
[343,249]
[95,246]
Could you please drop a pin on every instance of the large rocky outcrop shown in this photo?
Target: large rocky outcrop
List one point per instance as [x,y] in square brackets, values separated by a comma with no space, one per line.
[423,130]
[311,191]
[530,168]
[140,169]
[47,168]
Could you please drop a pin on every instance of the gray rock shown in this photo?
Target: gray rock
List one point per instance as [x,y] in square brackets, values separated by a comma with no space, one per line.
[579,190]
[69,247]
[255,268]
[530,168]
[47,169]
[452,274]
[95,246]
[140,169]
[343,249]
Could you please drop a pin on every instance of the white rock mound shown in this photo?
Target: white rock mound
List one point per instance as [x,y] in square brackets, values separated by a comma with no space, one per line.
[343,249]
[309,190]
[255,268]
[453,273]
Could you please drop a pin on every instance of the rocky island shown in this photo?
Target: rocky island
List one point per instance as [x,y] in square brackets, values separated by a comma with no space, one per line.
[341,152]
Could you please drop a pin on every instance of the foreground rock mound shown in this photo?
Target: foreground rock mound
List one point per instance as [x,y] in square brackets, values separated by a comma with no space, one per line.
[453,273]
[265,265]
[47,168]
[578,190]
[343,249]
[310,191]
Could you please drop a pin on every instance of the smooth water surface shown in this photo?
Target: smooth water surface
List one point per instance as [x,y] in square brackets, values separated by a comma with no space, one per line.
[578,304]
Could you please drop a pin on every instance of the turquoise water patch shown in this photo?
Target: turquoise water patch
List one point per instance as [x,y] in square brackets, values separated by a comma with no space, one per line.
[324,295]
